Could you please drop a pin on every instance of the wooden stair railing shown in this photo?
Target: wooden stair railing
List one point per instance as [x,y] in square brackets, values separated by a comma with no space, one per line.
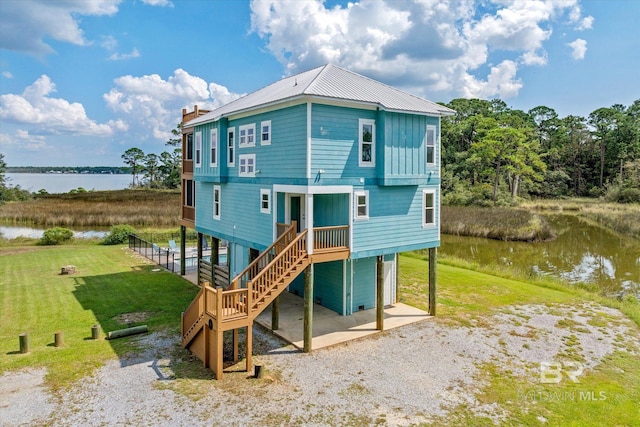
[192,317]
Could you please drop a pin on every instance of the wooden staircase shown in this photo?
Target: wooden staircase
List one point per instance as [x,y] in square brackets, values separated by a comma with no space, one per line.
[215,310]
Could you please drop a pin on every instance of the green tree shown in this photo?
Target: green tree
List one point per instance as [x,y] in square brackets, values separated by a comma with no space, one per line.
[171,168]
[176,141]
[133,158]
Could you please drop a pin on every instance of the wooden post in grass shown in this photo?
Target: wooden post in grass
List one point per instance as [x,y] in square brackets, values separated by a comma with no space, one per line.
[432,281]
[308,309]
[275,314]
[95,332]
[58,339]
[24,343]
[183,239]
[380,293]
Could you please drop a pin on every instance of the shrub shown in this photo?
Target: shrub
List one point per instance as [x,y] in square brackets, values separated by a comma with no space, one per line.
[118,234]
[55,236]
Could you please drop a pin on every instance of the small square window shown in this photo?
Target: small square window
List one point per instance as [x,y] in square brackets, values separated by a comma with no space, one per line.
[198,159]
[265,201]
[247,136]
[247,165]
[361,205]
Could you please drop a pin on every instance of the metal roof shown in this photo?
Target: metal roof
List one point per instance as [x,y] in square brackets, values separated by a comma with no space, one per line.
[333,82]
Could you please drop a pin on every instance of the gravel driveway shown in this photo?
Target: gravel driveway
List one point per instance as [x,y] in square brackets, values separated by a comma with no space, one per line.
[409,375]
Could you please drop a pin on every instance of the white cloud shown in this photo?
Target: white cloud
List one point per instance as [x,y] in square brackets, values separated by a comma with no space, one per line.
[25,24]
[123,56]
[578,48]
[47,115]
[151,105]
[7,74]
[424,46]
[161,3]
[586,23]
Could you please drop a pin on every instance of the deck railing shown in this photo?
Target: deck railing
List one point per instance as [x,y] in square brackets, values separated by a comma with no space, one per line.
[327,238]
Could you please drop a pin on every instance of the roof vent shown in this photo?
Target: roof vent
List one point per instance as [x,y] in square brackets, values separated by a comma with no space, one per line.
[295,82]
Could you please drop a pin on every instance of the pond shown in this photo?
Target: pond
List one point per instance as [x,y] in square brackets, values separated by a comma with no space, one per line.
[13,232]
[582,252]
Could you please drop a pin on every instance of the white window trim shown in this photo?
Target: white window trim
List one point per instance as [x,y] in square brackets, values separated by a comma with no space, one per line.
[243,158]
[216,189]
[198,151]
[356,194]
[213,162]
[361,123]
[265,192]
[434,145]
[231,147]
[245,129]
[262,125]
[424,210]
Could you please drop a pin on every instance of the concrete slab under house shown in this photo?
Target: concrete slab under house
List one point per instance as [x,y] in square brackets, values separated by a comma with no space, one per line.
[314,185]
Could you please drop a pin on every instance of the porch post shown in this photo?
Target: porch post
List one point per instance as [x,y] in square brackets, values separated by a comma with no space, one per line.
[397,278]
[215,249]
[309,208]
[432,281]
[275,314]
[199,258]
[380,293]
[308,308]
[183,238]
[250,347]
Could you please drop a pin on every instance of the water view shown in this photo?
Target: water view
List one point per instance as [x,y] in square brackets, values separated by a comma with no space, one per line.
[582,252]
[63,183]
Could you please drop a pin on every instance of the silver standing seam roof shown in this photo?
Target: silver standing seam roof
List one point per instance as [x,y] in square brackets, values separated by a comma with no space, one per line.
[329,82]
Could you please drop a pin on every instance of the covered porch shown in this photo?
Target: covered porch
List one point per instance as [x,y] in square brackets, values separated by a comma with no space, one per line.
[331,328]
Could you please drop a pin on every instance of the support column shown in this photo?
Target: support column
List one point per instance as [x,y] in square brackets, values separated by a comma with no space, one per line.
[380,293]
[215,251]
[183,239]
[432,281]
[397,299]
[308,308]
[235,345]
[199,258]
[250,348]
[275,314]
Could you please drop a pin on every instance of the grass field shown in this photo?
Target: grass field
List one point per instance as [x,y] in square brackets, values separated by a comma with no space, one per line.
[111,282]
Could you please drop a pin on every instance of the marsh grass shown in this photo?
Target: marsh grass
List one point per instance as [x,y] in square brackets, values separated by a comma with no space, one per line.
[621,217]
[138,208]
[498,223]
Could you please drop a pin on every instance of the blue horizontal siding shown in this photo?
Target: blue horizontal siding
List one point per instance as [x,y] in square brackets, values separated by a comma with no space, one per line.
[327,285]
[240,216]
[395,222]
[364,283]
[334,142]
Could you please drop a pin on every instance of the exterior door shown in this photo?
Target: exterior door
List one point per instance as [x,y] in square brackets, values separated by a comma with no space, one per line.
[295,209]
[389,283]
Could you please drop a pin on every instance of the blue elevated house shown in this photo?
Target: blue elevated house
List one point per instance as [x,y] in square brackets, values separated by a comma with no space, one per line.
[316,182]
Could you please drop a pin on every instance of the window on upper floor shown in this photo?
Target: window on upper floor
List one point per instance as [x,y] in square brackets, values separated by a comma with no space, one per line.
[231,147]
[214,148]
[247,166]
[265,201]
[189,148]
[247,136]
[216,202]
[428,208]
[198,154]
[361,204]
[367,143]
[189,193]
[431,144]
[265,133]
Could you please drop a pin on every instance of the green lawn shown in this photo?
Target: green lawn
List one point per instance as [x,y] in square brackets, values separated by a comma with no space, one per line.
[109,282]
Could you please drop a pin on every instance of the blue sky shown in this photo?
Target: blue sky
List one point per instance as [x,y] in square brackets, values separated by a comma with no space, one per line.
[82,81]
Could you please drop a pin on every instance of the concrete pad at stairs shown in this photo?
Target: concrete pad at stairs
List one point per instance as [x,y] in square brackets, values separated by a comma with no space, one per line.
[329,327]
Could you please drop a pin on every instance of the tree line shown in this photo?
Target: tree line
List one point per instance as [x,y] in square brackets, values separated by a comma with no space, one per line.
[156,170]
[493,154]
